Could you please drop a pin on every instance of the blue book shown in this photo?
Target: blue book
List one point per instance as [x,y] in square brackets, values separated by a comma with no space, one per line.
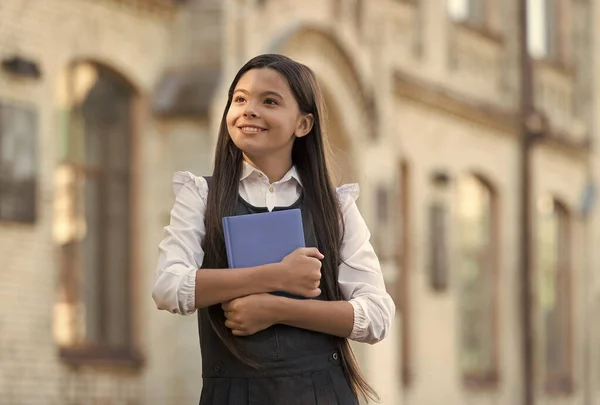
[263,238]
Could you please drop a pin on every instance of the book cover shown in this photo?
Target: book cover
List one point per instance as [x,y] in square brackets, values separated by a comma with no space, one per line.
[263,238]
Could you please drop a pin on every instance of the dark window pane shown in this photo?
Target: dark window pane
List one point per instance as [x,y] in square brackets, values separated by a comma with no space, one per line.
[439,254]
[18,163]
[553,265]
[117,261]
[92,261]
[476,270]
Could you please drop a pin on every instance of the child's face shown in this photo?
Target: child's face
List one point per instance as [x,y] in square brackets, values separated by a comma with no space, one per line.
[264,116]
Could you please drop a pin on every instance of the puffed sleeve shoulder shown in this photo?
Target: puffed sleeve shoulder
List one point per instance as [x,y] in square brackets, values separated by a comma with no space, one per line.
[182,178]
[347,194]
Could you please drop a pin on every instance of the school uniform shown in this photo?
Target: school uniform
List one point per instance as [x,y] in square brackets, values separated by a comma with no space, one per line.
[298,366]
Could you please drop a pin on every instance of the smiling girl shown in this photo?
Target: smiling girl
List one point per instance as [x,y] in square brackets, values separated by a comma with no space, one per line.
[260,348]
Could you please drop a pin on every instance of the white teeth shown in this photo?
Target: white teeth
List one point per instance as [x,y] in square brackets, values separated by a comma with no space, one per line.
[251,129]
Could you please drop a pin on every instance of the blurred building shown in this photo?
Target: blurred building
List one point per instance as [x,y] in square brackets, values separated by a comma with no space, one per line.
[101,100]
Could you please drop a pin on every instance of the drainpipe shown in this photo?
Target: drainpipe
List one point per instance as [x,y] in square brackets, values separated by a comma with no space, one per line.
[527,120]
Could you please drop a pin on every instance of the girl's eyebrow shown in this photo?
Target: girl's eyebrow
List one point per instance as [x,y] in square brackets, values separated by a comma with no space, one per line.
[264,93]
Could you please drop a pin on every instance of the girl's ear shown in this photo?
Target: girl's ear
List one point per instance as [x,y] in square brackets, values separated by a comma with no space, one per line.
[304,125]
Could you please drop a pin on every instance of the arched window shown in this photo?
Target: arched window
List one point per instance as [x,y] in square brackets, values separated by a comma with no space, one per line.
[93,209]
[554,283]
[477,269]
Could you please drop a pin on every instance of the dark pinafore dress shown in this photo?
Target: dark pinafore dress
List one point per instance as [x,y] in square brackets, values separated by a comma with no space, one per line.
[301,367]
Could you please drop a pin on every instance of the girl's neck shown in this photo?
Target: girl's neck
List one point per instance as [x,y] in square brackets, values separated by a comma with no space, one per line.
[274,168]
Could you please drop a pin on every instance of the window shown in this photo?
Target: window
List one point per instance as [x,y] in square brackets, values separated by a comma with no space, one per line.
[438,253]
[554,257]
[474,12]
[550,31]
[382,241]
[92,222]
[18,163]
[477,275]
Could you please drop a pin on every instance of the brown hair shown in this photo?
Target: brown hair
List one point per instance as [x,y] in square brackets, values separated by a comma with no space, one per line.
[308,156]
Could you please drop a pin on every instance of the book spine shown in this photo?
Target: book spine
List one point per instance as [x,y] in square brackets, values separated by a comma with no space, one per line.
[228,248]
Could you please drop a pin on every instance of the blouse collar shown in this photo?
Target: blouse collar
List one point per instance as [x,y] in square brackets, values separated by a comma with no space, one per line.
[249,170]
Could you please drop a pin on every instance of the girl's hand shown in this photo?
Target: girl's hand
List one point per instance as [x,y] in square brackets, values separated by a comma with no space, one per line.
[250,314]
[301,272]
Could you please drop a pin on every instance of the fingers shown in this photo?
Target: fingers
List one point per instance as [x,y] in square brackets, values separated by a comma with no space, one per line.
[236,328]
[312,293]
[232,324]
[316,261]
[230,305]
[311,252]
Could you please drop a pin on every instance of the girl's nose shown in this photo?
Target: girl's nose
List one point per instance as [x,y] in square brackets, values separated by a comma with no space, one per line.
[249,111]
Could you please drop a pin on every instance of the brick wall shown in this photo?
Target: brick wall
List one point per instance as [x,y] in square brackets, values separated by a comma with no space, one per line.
[132,39]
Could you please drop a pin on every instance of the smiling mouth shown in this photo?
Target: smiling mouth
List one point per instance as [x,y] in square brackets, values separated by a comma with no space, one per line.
[251,130]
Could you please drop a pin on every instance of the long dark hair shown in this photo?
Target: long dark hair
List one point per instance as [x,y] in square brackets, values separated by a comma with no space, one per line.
[308,155]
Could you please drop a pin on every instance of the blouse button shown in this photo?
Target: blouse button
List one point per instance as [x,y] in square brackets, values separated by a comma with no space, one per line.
[271,189]
[217,369]
[260,174]
[335,356]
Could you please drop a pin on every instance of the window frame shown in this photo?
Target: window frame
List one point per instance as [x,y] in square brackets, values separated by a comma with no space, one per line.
[101,351]
[486,379]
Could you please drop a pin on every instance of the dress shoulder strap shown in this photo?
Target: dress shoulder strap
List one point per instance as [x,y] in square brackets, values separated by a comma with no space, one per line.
[208,180]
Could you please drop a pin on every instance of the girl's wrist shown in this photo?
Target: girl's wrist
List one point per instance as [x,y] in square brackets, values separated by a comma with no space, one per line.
[272,277]
[279,309]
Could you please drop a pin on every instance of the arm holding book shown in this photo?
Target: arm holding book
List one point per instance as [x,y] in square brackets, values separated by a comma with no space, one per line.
[360,280]
[299,273]
[253,313]
[181,288]
[366,314]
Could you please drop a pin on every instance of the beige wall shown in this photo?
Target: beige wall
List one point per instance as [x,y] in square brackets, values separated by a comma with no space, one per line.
[431,141]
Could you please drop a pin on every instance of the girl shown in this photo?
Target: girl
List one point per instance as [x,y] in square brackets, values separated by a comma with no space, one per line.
[260,348]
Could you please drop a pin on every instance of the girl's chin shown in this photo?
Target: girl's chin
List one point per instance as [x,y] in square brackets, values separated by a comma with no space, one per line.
[251,143]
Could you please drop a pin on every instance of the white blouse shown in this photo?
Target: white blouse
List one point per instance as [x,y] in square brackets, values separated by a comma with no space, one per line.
[181,254]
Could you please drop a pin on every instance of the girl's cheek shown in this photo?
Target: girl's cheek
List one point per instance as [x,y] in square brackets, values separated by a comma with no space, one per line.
[231,117]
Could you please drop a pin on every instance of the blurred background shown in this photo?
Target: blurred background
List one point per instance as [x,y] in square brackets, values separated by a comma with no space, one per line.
[470,126]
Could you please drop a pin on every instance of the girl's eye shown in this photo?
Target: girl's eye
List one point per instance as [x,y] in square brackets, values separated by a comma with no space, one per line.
[270,101]
[239,99]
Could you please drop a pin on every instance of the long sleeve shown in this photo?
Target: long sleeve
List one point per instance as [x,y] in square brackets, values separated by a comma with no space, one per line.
[360,277]
[180,251]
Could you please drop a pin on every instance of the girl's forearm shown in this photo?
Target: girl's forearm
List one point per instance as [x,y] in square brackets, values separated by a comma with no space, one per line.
[331,317]
[220,285]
